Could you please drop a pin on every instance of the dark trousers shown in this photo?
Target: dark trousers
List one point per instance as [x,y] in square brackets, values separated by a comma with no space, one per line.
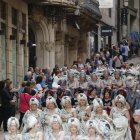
[1,116]
[20,119]
[7,113]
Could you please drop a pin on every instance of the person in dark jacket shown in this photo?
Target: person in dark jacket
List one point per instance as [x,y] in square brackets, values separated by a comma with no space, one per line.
[6,103]
[2,85]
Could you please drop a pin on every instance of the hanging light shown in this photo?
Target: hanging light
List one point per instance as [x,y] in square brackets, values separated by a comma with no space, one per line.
[125,3]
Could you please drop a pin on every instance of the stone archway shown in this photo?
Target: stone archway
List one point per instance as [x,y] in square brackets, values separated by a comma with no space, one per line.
[45,46]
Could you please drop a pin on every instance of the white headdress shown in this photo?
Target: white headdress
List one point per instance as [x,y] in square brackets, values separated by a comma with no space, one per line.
[12,120]
[97,102]
[33,100]
[82,74]
[105,129]
[55,118]
[51,99]
[92,124]
[71,73]
[82,96]
[75,122]
[120,98]
[65,99]
[31,121]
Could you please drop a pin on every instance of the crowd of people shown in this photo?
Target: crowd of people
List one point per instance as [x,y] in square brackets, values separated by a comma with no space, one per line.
[95,100]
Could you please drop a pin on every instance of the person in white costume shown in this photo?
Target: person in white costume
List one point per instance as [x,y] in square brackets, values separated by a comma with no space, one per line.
[13,125]
[83,111]
[98,113]
[121,117]
[56,129]
[32,130]
[34,111]
[74,127]
[93,130]
[67,112]
[51,109]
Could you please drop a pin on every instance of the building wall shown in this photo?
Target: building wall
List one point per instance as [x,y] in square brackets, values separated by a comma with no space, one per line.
[16,53]
[109,17]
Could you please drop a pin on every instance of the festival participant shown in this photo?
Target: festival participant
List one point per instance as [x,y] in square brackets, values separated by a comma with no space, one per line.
[93,130]
[13,125]
[117,83]
[72,83]
[91,94]
[130,85]
[67,112]
[74,128]
[50,110]
[95,82]
[106,130]
[83,111]
[107,101]
[56,129]
[107,81]
[136,117]
[83,84]
[32,130]
[121,117]
[33,111]
[98,113]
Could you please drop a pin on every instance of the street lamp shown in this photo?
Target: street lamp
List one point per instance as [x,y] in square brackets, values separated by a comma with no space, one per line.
[125,3]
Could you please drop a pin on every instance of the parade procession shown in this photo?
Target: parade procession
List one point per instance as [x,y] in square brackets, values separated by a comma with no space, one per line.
[84,102]
[69,69]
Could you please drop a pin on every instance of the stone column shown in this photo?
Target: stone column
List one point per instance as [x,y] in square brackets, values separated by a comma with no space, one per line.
[8,42]
[51,50]
[99,37]
[59,54]
[46,57]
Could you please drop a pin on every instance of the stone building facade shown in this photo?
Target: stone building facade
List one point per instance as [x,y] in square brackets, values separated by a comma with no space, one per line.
[13,39]
[44,33]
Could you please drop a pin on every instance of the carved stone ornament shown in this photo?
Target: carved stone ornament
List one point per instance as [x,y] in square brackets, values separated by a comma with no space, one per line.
[42,44]
[50,46]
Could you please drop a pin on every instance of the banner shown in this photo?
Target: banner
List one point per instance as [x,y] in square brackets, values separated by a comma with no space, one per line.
[105,3]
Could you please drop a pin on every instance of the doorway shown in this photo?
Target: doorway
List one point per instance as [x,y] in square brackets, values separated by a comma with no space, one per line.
[32,49]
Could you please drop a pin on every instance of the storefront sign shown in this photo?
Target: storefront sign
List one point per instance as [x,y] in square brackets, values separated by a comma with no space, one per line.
[105,3]
[106,31]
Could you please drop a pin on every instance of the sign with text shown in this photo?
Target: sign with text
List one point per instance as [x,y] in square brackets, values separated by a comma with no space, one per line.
[106,31]
[105,3]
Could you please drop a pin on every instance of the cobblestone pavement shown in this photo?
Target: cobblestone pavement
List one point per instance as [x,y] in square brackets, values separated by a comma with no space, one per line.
[135,60]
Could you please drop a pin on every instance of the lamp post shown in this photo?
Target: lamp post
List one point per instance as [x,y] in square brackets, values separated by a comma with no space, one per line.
[124,19]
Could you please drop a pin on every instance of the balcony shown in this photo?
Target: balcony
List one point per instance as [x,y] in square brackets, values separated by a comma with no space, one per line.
[79,11]
[91,8]
[50,2]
